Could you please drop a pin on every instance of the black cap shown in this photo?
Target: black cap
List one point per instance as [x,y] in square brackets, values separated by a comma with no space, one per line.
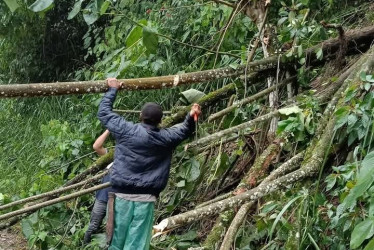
[151,113]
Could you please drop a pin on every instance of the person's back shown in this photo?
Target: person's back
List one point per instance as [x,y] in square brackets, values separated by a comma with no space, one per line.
[143,156]
[140,169]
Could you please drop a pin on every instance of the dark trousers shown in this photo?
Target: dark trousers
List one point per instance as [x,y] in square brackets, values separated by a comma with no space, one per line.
[97,216]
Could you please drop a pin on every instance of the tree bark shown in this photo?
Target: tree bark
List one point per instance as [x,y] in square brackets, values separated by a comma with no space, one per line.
[84,87]
[54,192]
[224,220]
[358,41]
[100,164]
[54,201]
[235,129]
[288,166]
[249,99]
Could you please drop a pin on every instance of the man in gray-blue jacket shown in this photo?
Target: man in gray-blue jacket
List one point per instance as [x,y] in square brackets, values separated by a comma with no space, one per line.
[141,167]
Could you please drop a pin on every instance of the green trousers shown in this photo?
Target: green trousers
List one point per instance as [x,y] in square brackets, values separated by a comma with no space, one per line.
[133,222]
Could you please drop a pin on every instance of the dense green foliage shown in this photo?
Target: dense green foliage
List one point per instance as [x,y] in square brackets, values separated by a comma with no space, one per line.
[46,141]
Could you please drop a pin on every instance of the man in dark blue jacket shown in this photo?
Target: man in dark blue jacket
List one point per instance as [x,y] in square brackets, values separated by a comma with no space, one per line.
[141,167]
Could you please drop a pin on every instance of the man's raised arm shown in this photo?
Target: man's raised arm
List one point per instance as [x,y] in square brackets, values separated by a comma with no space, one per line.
[115,123]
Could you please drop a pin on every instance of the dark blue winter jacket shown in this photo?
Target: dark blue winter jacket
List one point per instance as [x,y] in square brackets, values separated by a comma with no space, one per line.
[143,152]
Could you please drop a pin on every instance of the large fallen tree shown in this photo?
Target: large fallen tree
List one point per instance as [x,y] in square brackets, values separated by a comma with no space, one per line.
[314,157]
[83,87]
[357,40]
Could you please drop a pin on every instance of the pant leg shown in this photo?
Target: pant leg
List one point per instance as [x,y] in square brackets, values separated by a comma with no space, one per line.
[97,215]
[123,213]
[139,233]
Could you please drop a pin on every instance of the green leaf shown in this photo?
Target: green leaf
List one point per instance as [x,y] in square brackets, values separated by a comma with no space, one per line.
[104,7]
[366,166]
[43,234]
[40,5]
[76,8]
[330,180]
[367,86]
[290,110]
[234,65]
[281,213]
[319,54]
[150,40]
[190,235]
[370,245]
[282,125]
[305,2]
[191,96]
[12,4]
[222,165]
[100,239]
[363,76]
[157,65]
[358,190]
[365,179]
[134,36]
[370,78]
[91,12]
[342,117]
[371,207]
[352,137]
[352,119]
[282,20]
[362,231]
[27,229]
[180,184]
[194,171]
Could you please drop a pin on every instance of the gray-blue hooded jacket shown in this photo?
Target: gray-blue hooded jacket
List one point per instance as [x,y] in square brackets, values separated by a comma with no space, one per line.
[143,152]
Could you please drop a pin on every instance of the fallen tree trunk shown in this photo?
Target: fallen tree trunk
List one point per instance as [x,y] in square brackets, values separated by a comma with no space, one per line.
[358,41]
[54,201]
[250,99]
[220,206]
[226,140]
[54,192]
[286,167]
[224,220]
[84,87]
[309,167]
[99,165]
[235,129]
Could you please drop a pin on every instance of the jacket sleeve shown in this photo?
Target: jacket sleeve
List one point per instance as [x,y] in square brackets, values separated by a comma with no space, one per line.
[180,132]
[115,123]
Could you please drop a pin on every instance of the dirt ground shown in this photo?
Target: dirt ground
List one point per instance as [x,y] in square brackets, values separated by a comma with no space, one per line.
[12,239]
